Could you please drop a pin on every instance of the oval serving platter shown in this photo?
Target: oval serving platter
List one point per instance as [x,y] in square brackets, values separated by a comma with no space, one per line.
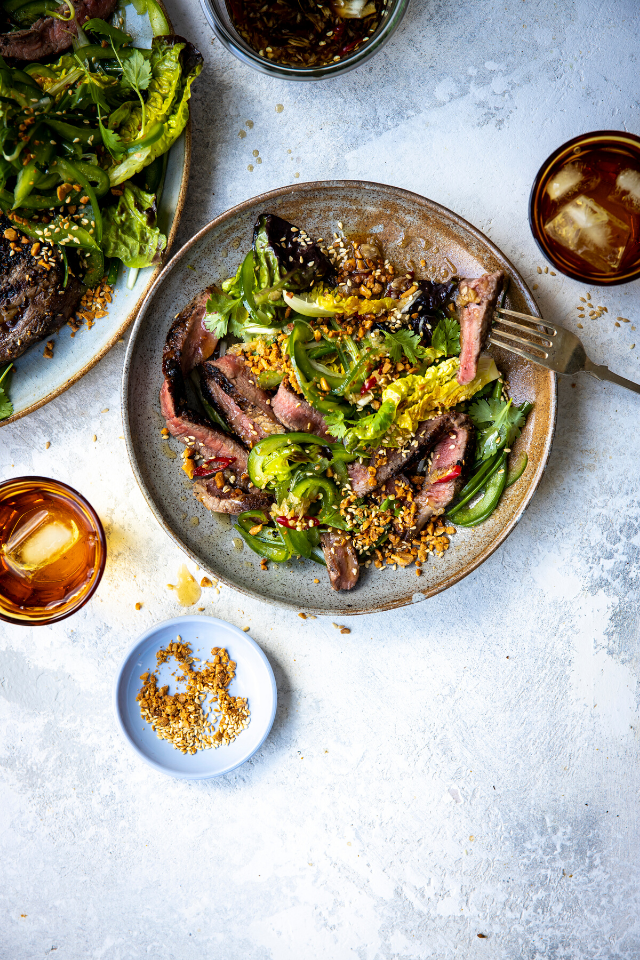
[37,380]
[411,228]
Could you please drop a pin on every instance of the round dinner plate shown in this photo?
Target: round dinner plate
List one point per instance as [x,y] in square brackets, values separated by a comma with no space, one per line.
[410,229]
[254,679]
[37,380]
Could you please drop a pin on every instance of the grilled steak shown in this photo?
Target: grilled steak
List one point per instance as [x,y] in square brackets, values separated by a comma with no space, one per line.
[229,385]
[188,341]
[48,36]
[388,462]
[452,450]
[296,414]
[33,302]
[341,559]
[233,501]
[479,298]
[194,430]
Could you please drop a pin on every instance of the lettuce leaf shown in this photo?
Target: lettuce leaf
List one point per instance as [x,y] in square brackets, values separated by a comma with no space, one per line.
[161,91]
[127,232]
[174,124]
[422,397]
[353,305]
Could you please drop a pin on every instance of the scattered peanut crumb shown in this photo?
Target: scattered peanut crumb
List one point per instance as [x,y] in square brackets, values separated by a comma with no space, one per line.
[345,630]
[315,580]
[200,609]
[245,629]
[205,582]
[535,286]
[48,350]
[302,616]
[138,606]
[418,572]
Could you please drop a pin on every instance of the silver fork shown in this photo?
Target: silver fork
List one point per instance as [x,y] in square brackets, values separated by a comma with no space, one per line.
[551,346]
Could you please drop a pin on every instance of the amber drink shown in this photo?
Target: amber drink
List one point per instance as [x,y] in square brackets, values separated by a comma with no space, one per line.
[584,209]
[52,550]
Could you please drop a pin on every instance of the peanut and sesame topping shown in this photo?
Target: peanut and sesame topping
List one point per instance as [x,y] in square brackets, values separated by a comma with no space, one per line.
[188,719]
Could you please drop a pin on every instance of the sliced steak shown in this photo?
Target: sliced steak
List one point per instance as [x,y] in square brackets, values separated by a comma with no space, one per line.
[341,558]
[194,430]
[478,299]
[48,36]
[33,302]
[296,414]
[386,463]
[230,387]
[455,449]
[234,501]
[188,341]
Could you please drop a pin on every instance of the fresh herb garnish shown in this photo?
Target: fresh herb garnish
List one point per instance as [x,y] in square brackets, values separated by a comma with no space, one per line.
[136,73]
[446,337]
[499,423]
[219,307]
[404,341]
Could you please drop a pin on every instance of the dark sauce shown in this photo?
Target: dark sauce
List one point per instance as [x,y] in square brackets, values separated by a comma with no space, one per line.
[302,33]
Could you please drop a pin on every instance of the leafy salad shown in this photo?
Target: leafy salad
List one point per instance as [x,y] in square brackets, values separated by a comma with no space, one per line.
[84,144]
[369,355]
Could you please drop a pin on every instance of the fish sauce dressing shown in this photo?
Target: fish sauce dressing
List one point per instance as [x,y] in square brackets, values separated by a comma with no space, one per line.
[303,34]
[49,554]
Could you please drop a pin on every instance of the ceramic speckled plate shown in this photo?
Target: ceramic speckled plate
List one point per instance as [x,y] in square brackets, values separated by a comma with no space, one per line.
[411,228]
[37,380]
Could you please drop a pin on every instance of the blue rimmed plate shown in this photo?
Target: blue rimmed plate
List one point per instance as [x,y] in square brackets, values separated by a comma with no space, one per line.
[254,679]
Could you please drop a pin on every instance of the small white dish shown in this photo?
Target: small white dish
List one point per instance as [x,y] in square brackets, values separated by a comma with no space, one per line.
[254,679]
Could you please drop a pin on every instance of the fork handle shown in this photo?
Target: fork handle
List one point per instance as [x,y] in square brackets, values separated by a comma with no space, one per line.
[603,373]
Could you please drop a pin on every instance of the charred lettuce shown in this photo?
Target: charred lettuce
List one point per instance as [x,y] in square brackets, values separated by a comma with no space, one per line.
[285,252]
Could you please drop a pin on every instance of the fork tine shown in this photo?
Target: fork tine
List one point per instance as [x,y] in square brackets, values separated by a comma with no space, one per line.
[527,316]
[521,353]
[521,329]
[542,347]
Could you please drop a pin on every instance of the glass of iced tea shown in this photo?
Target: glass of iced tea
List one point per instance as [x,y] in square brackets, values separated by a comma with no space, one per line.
[584,208]
[52,551]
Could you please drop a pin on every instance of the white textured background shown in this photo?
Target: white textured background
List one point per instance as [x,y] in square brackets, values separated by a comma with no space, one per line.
[468,765]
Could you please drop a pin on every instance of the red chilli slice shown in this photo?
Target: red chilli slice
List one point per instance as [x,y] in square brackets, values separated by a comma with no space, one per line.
[451,475]
[213,466]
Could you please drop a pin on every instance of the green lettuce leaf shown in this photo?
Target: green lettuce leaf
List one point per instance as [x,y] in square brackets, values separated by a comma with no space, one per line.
[6,407]
[127,233]
[163,85]
[173,127]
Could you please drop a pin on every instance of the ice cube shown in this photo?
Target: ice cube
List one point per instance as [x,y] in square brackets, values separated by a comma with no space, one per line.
[572,179]
[627,190]
[591,232]
[39,542]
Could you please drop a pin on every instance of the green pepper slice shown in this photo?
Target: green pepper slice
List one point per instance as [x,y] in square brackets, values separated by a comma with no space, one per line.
[476,482]
[247,285]
[268,543]
[472,516]
[517,469]
[84,135]
[73,174]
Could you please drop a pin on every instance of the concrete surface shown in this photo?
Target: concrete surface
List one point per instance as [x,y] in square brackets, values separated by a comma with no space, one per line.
[466,766]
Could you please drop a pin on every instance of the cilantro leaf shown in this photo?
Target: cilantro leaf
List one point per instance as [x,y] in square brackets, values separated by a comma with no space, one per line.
[111,140]
[337,426]
[404,341]
[6,407]
[219,306]
[446,337]
[136,72]
[499,423]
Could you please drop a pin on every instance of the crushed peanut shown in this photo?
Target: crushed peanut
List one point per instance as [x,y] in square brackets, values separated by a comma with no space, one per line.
[188,719]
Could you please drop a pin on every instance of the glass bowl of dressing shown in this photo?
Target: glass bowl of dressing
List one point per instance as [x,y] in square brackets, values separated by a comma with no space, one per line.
[282,41]
[584,208]
[52,551]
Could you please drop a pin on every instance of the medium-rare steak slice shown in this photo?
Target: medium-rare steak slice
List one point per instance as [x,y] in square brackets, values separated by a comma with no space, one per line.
[477,299]
[229,500]
[188,341]
[341,559]
[296,414]
[194,430]
[386,463]
[451,458]
[230,386]
[33,301]
[48,36]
